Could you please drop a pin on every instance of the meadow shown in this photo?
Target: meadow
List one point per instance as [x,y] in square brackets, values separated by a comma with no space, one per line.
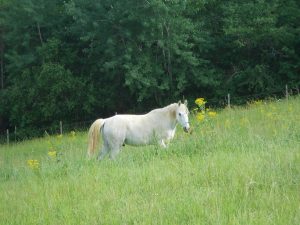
[240,166]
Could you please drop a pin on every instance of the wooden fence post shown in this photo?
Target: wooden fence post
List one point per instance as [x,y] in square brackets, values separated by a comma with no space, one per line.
[60,127]
[15,133]
[286,92]
[228,100]
[7,137]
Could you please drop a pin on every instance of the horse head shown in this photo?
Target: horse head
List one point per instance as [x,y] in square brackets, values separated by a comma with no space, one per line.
[182,115]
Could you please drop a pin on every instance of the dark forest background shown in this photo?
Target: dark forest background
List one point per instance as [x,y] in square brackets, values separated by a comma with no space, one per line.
[77,60]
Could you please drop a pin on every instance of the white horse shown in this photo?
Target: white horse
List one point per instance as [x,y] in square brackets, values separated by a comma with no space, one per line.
[155,127]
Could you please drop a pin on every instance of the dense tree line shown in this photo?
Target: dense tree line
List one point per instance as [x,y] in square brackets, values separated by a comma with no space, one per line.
[75,60]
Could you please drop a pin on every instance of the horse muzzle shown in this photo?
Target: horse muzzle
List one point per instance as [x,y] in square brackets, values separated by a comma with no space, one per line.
[186,129]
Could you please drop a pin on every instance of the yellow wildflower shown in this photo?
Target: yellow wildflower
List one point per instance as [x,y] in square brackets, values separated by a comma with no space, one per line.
[52,153]
[33,163]
[200,101]
[212,114]
[200,116]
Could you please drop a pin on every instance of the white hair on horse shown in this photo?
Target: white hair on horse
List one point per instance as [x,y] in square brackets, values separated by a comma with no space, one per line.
[156,127]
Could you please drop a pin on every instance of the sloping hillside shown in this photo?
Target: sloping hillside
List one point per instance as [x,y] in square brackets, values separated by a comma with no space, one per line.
[240,166]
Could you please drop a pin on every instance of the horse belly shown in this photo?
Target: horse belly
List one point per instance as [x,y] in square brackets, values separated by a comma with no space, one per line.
[138,137]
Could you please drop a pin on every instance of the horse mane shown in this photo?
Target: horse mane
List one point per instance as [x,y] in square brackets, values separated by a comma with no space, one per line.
[169,109]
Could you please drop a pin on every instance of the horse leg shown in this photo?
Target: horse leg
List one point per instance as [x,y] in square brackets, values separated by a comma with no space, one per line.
[165,142]
[115,139]
[114,152]
[103,152]
[162,143]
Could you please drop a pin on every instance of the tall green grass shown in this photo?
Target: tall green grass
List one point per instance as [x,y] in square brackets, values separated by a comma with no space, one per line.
[240,167]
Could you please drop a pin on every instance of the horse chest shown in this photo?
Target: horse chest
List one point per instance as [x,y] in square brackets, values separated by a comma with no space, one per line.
[171,134]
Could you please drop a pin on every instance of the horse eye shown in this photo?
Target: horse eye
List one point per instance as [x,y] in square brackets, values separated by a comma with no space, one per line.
[179,114]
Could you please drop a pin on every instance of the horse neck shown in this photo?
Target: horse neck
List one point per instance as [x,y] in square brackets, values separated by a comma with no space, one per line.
[168,115]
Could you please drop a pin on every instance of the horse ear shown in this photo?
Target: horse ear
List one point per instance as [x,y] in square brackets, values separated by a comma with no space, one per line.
[186,102]
[179,103]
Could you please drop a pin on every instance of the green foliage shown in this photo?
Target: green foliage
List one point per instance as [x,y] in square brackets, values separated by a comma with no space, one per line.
[47,94]
[260,37]
[123,56]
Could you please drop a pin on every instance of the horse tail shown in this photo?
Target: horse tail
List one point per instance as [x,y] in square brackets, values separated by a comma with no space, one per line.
[93,136]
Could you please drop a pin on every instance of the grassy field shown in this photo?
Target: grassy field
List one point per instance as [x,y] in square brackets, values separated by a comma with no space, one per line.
[240,167]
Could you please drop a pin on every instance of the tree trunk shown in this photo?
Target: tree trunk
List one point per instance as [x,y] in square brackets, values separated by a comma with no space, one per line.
[169,60]
[39,33]
[1,60]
